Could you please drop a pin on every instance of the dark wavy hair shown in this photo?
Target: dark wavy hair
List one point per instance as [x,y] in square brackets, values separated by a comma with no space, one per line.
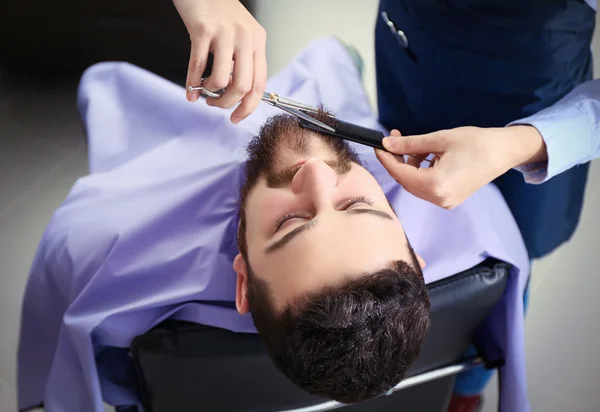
[351,342]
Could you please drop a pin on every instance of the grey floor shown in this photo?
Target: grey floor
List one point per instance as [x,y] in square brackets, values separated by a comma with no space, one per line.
[38,169]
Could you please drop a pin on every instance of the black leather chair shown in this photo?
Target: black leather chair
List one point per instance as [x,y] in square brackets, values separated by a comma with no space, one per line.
[184,367]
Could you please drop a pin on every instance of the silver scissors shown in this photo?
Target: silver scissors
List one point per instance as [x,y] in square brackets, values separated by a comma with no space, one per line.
[303,112]
[295,108]
[345,130]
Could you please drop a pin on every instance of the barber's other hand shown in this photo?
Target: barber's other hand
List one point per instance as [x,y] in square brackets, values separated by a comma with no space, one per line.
[228,30]
[466,159]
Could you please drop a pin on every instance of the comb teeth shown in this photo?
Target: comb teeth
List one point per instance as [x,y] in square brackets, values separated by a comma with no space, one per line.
[351,132]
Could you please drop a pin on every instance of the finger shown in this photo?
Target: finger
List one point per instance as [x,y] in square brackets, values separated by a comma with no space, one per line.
[221,72]
[418,181]
[198,58]
[394,132]
[242,76]
[399,158]
[259,83]
[414,161]
[405,174]
[420,144]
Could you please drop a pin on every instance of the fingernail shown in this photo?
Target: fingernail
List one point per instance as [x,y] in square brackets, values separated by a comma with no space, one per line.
[236,120]
[389,142]
[192,97]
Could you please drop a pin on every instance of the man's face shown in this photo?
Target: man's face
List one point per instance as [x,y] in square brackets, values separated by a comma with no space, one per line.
[313,217]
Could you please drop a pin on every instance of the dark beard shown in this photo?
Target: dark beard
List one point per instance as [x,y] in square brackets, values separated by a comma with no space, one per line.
[284,131]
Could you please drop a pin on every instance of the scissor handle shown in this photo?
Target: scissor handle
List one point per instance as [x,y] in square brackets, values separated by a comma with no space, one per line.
[207,72]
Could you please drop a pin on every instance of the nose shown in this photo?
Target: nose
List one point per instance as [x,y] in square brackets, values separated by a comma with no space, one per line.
[315,179]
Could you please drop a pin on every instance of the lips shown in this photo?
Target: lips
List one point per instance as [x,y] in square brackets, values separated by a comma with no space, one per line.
[300,163]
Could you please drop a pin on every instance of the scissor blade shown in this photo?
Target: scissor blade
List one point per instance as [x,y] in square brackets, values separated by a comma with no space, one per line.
[296,105]
[306,117]
[276,100]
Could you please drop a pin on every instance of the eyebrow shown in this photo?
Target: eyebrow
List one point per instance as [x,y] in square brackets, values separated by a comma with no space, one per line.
[278,244]
[378,213]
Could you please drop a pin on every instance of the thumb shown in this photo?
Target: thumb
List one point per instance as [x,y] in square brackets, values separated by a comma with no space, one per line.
[420,144]
[405,174]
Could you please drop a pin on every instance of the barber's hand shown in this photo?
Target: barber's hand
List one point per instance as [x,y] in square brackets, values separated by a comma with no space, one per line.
[466,159]
[228,30]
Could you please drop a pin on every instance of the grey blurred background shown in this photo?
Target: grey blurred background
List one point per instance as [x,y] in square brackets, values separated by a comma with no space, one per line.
[38,167]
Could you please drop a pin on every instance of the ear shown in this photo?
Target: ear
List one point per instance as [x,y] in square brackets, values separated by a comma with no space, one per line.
[421,262]
[241,268]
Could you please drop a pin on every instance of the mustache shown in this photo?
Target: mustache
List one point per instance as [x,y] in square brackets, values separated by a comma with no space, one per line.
[278,179]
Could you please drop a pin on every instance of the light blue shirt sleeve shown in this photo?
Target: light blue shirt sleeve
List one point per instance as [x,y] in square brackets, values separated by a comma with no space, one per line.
[569,129]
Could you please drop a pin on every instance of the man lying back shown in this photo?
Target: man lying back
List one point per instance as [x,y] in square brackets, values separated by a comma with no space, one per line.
[334,287]
[322,261]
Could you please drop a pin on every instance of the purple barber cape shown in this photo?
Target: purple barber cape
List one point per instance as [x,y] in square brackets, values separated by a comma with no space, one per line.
[150,233]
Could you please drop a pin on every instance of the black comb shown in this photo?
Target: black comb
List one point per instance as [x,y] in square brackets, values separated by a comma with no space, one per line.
[351,132]
[343,130]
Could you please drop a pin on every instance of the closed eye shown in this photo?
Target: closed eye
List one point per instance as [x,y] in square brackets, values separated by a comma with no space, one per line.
[293,215]
[298,215]
[355,200]
[356,211]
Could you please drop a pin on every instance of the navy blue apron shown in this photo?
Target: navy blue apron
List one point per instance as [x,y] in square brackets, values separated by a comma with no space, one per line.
[451,63]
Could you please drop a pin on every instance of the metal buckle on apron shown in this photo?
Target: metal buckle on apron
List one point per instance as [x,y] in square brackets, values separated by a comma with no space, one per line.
[399,34]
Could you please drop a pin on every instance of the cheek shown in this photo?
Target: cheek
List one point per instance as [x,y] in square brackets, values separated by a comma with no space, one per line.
[364,184]
[264,207]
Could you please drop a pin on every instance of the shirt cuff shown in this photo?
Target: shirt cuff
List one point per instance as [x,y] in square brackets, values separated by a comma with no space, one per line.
[568,137]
